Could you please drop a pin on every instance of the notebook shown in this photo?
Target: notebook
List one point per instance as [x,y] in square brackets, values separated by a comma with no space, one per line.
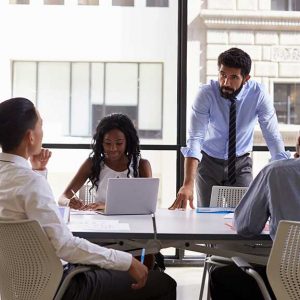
[131,196]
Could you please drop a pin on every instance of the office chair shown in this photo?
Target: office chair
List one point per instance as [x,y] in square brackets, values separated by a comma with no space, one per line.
[29,267]
[226,196]
[283,268]
[86,195]
[221,196]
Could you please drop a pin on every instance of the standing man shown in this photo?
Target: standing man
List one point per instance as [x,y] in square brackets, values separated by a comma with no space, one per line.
[222,123]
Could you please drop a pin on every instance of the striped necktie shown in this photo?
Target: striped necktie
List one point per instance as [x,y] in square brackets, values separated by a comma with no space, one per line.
[232,143]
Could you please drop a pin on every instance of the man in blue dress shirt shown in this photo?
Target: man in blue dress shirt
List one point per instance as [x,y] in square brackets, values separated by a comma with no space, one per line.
[206,153]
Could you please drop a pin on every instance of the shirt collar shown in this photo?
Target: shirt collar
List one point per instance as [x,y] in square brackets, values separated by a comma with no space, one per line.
[18,160]
[240,94]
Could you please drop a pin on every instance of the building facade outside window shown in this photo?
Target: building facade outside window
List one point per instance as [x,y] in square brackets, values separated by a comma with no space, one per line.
[18,1]
[285,5]
[75,96]
[88,2]
[123,2]
[287,102]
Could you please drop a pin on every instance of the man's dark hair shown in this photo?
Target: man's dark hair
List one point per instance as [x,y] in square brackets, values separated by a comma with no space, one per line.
[235,58]
[17,115]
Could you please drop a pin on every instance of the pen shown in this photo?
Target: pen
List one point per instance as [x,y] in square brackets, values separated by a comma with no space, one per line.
[74,195]
[143,255]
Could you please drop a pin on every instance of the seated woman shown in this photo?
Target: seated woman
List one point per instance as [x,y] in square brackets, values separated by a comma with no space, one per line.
[115,154]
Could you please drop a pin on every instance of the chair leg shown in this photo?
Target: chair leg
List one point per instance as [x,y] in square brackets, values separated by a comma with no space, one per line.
[203,279]
[208,290]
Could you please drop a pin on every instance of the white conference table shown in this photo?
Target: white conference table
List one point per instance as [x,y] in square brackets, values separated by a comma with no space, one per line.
[180,229]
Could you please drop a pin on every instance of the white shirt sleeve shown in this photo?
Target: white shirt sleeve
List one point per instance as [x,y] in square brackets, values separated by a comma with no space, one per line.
[40,205]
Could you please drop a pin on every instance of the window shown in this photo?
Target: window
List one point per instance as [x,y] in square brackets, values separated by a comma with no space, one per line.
[74,96]
[112,57]
[287,102]
[54,2]
[18,1]
[88,2]
[285,5]
[123,2]
[157,3]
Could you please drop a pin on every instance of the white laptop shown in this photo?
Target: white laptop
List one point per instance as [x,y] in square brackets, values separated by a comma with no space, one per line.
[131,196]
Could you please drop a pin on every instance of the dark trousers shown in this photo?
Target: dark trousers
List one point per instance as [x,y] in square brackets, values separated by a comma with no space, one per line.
[231,283]
[213,171]
[111,285]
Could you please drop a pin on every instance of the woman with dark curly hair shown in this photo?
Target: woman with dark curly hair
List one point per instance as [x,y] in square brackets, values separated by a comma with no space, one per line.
[115,154]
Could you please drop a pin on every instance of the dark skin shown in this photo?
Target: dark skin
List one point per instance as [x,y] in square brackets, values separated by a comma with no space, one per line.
[114,145]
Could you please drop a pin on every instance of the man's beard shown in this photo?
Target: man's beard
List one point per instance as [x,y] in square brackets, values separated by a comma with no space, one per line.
[231,94]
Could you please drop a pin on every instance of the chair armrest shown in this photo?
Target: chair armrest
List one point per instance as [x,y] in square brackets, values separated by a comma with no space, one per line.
[219,260]
[241,262]
[65,283]
[247,268]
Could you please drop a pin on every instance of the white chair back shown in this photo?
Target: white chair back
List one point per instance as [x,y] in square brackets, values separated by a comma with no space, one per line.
[283,269]
[226,196]
[86,195]
[29,267]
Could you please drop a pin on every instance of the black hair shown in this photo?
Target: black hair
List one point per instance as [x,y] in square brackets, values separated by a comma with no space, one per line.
[132,151]
[17,115]
[235,58]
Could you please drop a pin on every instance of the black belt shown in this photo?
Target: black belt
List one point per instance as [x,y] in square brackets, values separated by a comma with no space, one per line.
[220,159]
[244,155]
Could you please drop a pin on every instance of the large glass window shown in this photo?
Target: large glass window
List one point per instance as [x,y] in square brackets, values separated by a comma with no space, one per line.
[54,2]
[157,3]
[123,2]
[285,5]
[75,96]
[287,102]
[18,1]
[88,2]
[78,65]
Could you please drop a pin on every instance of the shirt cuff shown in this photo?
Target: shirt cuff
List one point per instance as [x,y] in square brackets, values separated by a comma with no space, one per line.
[123,260]
[43,173]
[187,152]
[63,201]
[282,155]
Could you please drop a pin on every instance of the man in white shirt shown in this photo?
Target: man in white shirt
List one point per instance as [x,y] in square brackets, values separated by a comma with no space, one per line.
[25,194]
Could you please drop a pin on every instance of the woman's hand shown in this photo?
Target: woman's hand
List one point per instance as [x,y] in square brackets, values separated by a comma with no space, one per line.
[76,203]
[94,206]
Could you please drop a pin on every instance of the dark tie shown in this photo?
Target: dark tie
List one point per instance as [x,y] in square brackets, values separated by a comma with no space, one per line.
[232,143]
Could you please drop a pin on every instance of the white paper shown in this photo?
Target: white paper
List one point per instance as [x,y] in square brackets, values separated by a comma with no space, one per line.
[99,225]
[229,216]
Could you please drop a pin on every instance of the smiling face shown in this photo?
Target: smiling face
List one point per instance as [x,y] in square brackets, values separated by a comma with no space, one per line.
[114,145]
[231,81]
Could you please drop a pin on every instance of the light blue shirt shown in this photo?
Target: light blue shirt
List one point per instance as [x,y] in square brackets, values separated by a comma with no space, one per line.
[274,193]
[209,121]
